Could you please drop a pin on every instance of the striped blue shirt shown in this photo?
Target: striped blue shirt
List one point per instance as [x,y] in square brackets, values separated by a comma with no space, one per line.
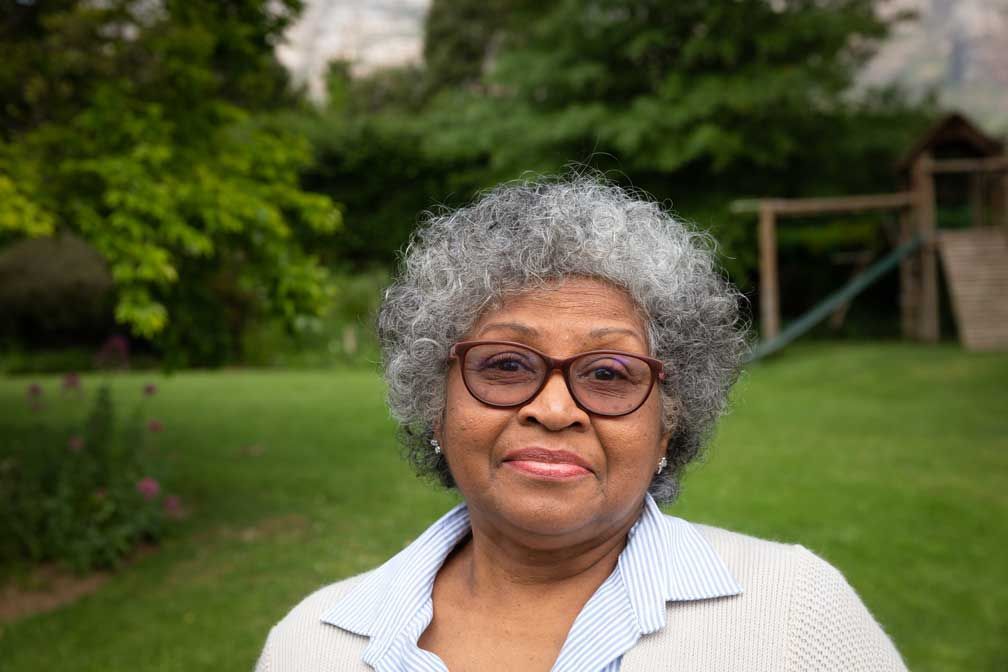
[665,559]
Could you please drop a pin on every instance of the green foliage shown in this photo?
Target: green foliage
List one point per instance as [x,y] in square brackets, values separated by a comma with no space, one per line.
[342,335]
[460,37]
[161,155]
[21,215]
[720,88]
[155,209]
[377,166]
[82,494]
[180,53]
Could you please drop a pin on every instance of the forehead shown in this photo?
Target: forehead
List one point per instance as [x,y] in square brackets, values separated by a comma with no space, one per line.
[566,313]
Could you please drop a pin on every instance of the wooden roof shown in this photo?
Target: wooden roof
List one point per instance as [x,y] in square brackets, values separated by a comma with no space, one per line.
[953,136]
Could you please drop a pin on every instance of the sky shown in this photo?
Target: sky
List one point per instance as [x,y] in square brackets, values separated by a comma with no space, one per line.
[369,33]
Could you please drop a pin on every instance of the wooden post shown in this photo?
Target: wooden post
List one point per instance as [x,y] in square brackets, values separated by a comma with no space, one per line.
[909,298]
[769,288]
[924,213]
[1000,197]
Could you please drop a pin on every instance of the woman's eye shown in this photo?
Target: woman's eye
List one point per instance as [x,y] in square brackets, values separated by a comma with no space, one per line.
[505,363]
[603,373]
[603,370]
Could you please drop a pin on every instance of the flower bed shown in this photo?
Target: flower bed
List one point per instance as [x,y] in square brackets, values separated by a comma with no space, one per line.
[84,493]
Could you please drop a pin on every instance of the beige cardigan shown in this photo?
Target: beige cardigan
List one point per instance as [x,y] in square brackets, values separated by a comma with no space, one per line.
[796,612]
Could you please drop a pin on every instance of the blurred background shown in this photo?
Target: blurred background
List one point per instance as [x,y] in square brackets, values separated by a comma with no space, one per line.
[201,201]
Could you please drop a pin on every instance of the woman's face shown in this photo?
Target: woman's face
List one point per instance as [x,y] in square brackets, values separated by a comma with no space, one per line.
[609,460]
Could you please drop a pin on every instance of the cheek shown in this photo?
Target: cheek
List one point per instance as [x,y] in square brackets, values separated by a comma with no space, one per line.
[468,425]
[634,447]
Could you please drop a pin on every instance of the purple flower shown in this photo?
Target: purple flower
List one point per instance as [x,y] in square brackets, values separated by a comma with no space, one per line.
[75,444]
[114,353]
[172,506]
[34,391]
[155,426]
[71,382]
[149,390]
[148,488]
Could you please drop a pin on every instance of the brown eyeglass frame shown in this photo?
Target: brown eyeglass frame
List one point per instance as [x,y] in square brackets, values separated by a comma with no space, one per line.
[462,348]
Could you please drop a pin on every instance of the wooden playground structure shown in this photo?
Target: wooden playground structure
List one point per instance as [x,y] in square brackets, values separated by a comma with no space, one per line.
[974,259]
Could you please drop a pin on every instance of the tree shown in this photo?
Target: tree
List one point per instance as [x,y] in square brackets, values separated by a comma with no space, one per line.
[462,37]
[697,102]
[662,85]
[174,52]
[154,142]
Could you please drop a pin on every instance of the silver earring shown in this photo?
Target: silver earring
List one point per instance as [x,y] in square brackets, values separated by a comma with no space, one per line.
[662,463]
[436,446]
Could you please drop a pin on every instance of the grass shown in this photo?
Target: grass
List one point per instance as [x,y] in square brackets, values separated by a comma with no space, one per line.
[891,461]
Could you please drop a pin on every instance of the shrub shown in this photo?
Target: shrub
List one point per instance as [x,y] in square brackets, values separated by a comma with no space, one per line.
[54,292]
[84,494]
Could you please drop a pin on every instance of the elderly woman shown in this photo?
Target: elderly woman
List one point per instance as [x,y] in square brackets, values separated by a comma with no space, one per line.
[558,352]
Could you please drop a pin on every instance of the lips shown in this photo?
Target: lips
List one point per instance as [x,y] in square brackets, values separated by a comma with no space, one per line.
[548,464]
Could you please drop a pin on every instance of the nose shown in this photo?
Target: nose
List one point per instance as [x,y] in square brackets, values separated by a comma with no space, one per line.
[553,407]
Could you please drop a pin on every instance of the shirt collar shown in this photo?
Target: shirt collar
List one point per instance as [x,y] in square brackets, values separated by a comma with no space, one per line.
[666,559]
[385,600]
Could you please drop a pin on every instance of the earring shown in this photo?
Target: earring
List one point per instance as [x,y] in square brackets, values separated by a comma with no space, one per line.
[436,446]
[662,463]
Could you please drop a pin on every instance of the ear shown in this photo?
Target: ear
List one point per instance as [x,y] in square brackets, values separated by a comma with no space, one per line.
[663,442]
[666,436]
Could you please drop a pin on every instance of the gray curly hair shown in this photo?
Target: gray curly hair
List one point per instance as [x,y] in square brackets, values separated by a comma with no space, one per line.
[524,234]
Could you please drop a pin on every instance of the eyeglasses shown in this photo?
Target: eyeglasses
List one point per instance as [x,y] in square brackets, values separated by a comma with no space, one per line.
[504,374]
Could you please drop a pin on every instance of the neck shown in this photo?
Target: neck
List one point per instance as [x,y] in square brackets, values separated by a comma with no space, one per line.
[497,562]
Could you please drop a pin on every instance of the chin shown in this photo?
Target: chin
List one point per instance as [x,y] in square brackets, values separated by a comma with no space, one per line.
[552,511]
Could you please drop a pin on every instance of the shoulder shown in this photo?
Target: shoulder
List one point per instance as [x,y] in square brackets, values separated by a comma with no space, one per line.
[824,623]
[829,626]
[738,547]
[315,604]
[762,565]
[758,564]
[794,607]
[301,640]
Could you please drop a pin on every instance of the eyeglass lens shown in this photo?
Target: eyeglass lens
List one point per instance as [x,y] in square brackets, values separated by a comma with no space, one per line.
[509,375]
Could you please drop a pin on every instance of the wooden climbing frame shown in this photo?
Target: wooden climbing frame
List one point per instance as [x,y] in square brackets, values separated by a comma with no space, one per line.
[917,214]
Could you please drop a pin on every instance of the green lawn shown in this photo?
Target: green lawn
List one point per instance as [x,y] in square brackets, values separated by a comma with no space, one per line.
[891,461]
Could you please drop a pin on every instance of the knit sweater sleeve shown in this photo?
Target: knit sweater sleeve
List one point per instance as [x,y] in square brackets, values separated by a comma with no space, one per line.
[830,628]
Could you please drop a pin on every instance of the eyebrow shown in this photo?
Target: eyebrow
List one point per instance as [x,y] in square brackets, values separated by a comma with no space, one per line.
[611,331]
[522,329]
